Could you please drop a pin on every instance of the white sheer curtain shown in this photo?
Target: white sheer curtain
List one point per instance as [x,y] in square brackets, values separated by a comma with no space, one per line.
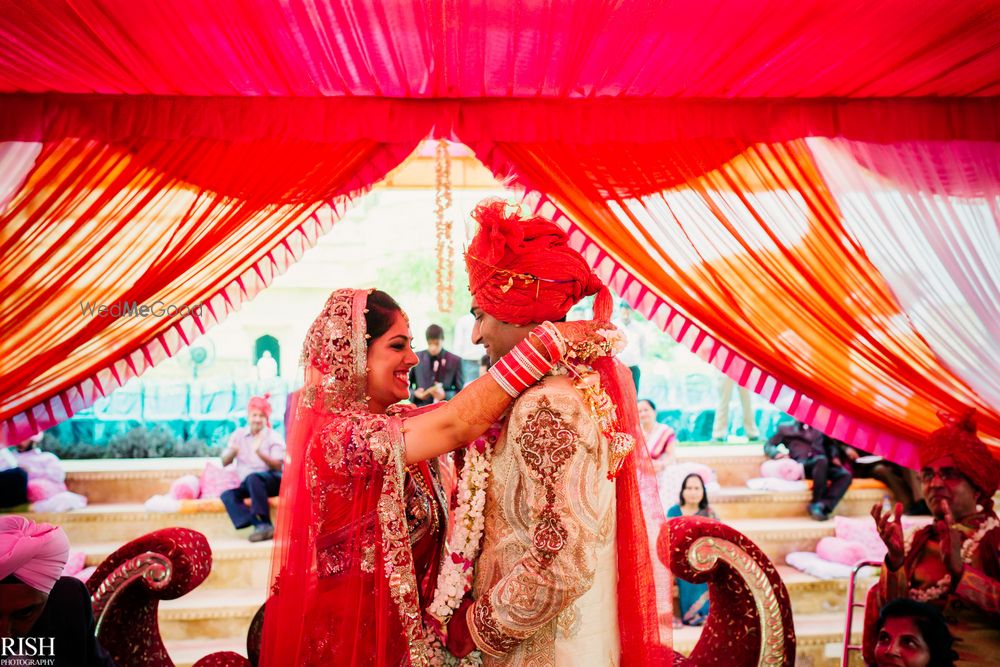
[16,160]
[928,216]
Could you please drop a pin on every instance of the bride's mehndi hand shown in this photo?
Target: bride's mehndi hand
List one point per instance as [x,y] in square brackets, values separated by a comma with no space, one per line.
[587,340]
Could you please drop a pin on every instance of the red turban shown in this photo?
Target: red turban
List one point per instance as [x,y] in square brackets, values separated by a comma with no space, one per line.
[522,270]
[261,403]
[972,457]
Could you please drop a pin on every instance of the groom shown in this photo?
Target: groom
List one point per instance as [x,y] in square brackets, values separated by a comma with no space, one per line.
[545,582]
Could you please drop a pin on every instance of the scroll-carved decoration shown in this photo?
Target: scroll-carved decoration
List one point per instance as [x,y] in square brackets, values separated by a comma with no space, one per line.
[703,555]
[153,568]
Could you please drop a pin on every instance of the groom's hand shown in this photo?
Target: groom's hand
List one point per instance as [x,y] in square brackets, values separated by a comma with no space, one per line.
[460,642]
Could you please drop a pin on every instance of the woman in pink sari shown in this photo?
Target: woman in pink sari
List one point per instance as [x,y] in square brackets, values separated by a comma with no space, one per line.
[362,517]
[661,441]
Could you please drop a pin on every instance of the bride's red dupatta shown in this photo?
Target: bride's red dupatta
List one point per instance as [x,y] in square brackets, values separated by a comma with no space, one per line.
[344,589]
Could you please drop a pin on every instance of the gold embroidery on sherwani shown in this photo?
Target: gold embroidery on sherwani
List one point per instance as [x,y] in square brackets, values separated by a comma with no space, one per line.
[546,444]
[549,511]
[490,636]
[569,622]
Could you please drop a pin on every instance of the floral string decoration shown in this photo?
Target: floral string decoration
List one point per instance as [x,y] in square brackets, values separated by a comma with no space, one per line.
[969,546]
[464,543]
[445,272]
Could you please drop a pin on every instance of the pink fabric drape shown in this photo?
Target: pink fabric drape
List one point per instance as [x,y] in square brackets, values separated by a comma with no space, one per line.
[16,160]
[724,49]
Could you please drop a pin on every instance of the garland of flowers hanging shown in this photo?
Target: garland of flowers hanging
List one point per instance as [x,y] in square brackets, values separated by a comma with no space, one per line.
[443,227]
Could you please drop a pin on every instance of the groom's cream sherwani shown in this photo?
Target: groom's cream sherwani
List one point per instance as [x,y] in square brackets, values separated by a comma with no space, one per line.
[546,578]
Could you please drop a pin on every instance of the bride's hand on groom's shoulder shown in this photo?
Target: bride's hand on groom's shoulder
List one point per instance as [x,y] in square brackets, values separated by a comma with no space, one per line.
[590,339]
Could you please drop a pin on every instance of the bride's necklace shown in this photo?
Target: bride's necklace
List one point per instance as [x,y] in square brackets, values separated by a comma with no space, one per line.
[418,479]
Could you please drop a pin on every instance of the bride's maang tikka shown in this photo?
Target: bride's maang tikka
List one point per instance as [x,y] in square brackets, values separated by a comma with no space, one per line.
[335,352]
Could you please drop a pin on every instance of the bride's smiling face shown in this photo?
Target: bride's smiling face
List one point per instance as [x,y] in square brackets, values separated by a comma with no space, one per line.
[390,359]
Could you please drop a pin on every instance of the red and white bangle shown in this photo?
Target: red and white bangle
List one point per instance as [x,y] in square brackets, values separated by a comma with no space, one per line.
[525,365]
[550,338]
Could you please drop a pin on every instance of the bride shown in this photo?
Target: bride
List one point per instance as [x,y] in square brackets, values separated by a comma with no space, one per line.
[362,516]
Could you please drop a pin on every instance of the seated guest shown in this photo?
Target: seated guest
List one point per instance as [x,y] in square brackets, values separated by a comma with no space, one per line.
[820,460]
[953,563]
[438,373]
[912,634]
[47,490]
[902,482]
[259,452]
[660,438]
[40,465]
[693,501]
[13,481]
[48,617]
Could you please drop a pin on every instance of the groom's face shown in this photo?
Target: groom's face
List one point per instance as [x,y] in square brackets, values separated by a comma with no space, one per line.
[497,337]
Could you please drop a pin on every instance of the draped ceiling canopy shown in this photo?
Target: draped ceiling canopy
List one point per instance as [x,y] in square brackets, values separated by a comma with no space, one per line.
[805,194]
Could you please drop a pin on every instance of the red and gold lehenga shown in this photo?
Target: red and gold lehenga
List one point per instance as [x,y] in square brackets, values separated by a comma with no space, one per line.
[359,533]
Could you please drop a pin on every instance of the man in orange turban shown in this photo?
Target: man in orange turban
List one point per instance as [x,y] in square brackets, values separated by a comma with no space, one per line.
[954,563]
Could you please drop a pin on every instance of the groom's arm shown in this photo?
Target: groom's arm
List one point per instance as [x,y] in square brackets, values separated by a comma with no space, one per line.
[561,467]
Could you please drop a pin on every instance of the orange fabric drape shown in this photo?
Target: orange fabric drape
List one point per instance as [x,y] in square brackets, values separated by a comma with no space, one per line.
[752,252]
[169,222]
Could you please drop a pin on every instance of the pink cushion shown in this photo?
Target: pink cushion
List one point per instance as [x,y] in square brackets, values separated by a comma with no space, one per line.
[215,479]
[839,550]
[861,530]
[74,563]
[782,469]
[185,488]
[41,489]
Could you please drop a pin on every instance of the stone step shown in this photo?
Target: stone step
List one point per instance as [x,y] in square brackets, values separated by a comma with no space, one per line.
[742,503]
[122,522]
[236,563]
[810,595]
[218,620]
[135,480]
[819,639]
[780,536]
[219,613]
[733,464]
[127,480]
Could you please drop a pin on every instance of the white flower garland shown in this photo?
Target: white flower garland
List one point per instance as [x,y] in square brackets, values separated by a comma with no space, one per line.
[456,575]
[969,546]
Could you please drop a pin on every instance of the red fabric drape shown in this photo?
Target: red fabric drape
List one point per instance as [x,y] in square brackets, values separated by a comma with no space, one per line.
[175,223]
[748,264]
[240,81]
